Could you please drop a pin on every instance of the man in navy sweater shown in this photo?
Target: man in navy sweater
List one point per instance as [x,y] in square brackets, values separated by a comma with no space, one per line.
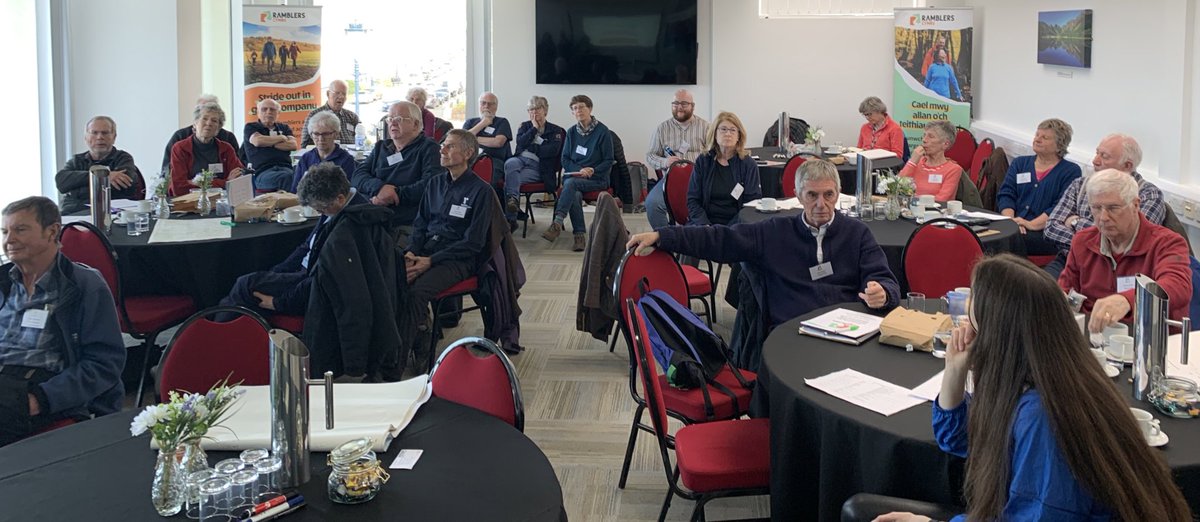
[808,262]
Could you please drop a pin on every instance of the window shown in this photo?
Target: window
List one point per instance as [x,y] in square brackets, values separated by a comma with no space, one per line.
[832,8]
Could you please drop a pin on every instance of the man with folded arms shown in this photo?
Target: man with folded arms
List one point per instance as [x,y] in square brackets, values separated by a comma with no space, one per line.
[74,180]
[808,262]
[494,134]
[1072,213]
[61,352]
[395,173]
[449,233]
[335,101]
[1105,259]
[269,145]
[684,135]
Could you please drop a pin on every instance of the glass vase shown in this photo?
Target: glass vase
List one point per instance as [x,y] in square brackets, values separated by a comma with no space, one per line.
[204,206]
[893,207]
[167,490]
[194,457]
[163,209]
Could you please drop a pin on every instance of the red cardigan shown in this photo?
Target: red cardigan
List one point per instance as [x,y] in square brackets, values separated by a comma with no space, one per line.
[1157,252]
[890,137]
[181,165]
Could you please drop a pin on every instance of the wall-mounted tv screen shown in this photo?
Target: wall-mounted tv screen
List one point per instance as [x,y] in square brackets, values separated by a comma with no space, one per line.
[616,41]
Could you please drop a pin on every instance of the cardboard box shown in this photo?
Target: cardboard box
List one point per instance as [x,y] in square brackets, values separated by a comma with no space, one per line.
[903,327]
[264,206]
[190,202]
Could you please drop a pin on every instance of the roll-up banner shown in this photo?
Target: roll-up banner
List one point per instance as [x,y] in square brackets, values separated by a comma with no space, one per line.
[933,77]
[281,57]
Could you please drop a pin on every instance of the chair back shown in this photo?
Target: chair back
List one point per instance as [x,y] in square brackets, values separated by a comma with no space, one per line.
[905,152]
[648,371]
[936,260]
[488,384]
[981,155]
[1172,222]
[963,150]
[967,193]
[787,181]
[483,168]
[656,271]
[675,192]
[203,351]
[83,243]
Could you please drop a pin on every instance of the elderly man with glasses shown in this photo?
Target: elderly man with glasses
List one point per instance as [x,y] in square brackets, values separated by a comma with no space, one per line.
[73,180]
[678,138]
[1105,259]
[335,103]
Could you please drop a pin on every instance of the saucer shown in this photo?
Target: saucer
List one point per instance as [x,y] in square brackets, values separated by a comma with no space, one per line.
[1111,371]
[279,219]
[119,222]
[764,211]
[1159,440]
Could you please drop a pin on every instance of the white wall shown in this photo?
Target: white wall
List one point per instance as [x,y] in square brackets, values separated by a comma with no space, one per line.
[19,25]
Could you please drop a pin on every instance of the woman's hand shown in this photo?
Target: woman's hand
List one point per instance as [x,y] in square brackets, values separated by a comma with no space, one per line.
[915,155]
[901,516]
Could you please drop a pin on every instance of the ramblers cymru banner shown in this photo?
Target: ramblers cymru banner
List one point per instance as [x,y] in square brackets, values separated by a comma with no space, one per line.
[932,77]
[281,57]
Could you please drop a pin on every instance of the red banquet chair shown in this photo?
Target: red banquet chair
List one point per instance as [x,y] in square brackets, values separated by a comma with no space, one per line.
[963,150]
[723,458]
[203,352]
[937,260]
[463,288]
[488,384]
[483,168]
[787,181]
[981,155]
[291,323]
[701,284]
[142,317]
[527,191]
[660,271]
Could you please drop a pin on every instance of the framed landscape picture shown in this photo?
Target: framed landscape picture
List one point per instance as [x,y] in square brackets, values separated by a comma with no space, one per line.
[1065,38]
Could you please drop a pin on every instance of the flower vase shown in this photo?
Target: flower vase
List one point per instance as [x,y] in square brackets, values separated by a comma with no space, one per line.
[163,209]
[204,206]
[167,490]
[194,457]
[817,150]
[893,207]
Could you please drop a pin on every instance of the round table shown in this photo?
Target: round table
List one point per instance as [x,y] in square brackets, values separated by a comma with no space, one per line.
[824,450]
[474,467]
[892,236]
[205,270]
[772,186]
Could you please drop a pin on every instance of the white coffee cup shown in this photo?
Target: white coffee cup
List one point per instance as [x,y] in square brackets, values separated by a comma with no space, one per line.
[128,216]
[1147,423]
[927,200]
[1081,320]
[1120,347]
[1100,355]
[309,212]
[929,216]
[767,203]
[145,206]
[954,207]
[292,215]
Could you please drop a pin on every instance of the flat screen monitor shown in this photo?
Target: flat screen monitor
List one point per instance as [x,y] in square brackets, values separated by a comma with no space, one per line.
[616,42]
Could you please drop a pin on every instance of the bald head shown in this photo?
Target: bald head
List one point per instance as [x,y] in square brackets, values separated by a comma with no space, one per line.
[683,105]
[336,94]
[1117,151]
[268,111]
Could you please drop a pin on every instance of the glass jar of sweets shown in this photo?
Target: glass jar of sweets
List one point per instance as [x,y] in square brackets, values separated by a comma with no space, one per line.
[1176,396]
[356,475]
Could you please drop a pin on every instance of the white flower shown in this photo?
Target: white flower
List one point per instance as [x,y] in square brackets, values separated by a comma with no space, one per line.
[818,134]
[144,421]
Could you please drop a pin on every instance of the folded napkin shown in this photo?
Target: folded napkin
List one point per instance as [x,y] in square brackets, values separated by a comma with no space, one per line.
[780,204]
[377,411]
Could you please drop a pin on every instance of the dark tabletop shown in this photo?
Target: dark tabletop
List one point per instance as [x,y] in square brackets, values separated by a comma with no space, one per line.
[769,176]
[825,450]
[475,467]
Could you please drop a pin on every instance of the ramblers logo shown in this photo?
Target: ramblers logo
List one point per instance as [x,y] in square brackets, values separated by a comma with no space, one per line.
[268,16]
[923,19]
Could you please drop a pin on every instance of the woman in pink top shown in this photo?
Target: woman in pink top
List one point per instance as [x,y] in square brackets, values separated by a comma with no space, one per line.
[929,167]
[880,131]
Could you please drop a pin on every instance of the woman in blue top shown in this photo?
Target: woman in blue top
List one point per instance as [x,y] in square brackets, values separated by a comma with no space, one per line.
[725,177]
[940,77]
[1051,439]
[1034,184]
[587,159]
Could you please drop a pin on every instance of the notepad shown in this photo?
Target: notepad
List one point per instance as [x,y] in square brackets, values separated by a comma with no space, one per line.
[843,326]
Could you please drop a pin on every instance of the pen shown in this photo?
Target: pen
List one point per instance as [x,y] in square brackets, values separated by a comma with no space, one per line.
[268,504]
[270,513]
[288,511]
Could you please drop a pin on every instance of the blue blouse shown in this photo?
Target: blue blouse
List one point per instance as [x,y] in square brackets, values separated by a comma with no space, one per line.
[1040,485]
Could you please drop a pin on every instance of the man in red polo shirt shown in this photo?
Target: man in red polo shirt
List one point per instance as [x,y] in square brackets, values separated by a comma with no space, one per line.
[1104,259]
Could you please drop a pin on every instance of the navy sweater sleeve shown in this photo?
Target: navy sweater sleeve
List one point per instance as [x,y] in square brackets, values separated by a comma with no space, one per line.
[364,179]
[720,243]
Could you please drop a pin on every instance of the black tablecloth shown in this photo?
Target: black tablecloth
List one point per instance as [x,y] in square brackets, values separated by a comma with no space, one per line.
[204,270]
[824,450]
[475,467]
[892,236]
[772,185]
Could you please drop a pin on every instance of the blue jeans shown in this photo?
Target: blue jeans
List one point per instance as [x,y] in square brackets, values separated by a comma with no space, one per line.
[1056,267]
[518,170]
[274,178]
[656,206]
[570,202]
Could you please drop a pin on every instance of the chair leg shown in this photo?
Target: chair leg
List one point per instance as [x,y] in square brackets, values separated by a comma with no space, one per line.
[612,338]
[698,511]
[144,371]
[707,312]
[633,431]
[435,331]
[666,504]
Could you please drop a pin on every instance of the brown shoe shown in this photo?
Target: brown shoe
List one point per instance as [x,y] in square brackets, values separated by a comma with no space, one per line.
[580,243]
[513,206]
[552,232]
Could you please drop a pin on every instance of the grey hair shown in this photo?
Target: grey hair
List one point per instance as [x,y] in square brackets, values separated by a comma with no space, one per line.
[1062,134]
[207,98]
[325,119]
[469,142]
[1130,150]
[872,104]
[816,170]
[114,125]
[44,210]
[413,111]
[209,107]
[538,102]
[265,101]
[322,184]
[945,128]
[419,91]
[1110,181]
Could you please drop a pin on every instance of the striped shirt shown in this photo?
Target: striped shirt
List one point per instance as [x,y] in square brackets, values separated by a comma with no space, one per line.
[346,134]
[686,139]
[25,345]
[1074,202]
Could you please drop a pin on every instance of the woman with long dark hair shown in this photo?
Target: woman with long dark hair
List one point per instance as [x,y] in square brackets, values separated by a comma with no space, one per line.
[1050,436]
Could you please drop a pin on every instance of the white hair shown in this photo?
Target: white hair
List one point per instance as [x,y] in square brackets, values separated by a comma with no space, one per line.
[326,119]
[266,101]
[1130,150]
[1112,181]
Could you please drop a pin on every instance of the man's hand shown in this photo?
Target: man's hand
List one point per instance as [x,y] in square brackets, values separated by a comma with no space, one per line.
[644,243]
[1071,221]
[34,407]
[587,172]
[265,301]
[874,295]
[119,179]
[671,160]
[901,516]
[416,265]
[387,196]
[234,174]
[487,117]
[1107,311]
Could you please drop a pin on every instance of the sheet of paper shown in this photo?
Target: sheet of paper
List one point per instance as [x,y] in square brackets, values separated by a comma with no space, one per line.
[866,391]
[122,204]
[846,322]
[406,459]
[930,389]
[71,219]
[985,215]
[241,190]
[181,230]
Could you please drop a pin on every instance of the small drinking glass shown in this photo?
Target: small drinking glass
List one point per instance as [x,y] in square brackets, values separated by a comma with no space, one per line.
[916,301]
[229,466]
[867,213]
[143,222]
[242,491]
[941,342]
[268,478]
[881,209]
[250,456]
[214,500]
[193,491]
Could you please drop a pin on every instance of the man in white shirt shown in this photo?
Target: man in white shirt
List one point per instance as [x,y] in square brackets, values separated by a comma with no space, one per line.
[679,138]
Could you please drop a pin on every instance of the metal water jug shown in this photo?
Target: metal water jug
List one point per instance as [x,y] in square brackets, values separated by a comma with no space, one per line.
[783,128]
[100,197]
[1150,323]
[289,406]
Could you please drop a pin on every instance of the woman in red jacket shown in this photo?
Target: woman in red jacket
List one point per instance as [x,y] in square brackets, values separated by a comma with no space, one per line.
[880,131]
[202,151]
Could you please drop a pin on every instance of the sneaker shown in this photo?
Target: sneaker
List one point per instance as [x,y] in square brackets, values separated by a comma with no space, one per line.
[552,232]
[513,206]
[580,243]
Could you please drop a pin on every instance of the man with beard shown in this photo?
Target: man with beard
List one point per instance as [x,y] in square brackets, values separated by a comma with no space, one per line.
[100,134]
[680,137]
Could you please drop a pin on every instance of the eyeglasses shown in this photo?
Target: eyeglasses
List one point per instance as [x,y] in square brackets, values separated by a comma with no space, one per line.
[727,130]
[399,119]
[681,104]
[1110,209]
[322,134]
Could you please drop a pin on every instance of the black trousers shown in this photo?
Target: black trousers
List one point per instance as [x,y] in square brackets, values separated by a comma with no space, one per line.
[15,421]
[270,283]
[423,289]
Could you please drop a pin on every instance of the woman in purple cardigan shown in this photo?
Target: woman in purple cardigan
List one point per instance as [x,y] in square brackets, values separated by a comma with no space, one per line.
[323,127]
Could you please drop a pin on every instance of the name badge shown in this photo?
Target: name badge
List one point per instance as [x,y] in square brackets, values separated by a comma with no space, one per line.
[1024,177]
[821,271]
[489,130]
[349,128]
[537,140]
[458,211]
[395,158]
[33,318]
[683,147]
[581,150]
[935,178]
[1124,283]
[737,191]
[216,168]
[274,132]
